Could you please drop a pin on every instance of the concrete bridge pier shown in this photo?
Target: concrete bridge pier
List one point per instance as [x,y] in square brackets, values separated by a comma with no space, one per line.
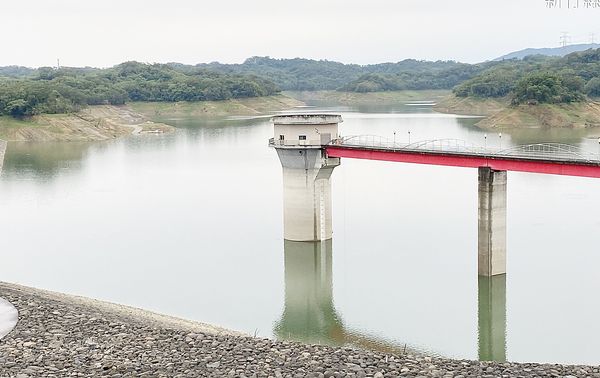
[492,222]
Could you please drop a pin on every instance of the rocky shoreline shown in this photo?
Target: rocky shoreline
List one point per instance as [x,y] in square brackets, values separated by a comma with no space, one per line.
[60,336]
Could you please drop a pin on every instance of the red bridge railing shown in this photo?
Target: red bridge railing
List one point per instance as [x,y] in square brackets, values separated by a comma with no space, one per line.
[549,158]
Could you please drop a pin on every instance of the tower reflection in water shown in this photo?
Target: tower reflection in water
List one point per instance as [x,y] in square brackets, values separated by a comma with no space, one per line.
[309,314]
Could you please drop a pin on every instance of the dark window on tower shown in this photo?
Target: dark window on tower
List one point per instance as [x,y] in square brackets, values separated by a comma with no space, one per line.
[302,137]
[281,137]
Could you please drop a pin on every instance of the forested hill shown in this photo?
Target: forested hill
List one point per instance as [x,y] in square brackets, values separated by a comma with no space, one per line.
[533,79]
[551,51]
[309,75]
[16,71]
[538,79]
[25,92]
[290,74]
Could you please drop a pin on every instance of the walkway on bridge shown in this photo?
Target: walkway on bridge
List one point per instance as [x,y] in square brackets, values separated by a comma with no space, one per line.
[548,158]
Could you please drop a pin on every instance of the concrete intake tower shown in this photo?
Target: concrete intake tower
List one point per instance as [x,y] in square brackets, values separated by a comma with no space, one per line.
[299,140]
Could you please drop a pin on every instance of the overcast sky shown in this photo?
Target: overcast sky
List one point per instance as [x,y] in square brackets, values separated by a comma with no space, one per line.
[104,33]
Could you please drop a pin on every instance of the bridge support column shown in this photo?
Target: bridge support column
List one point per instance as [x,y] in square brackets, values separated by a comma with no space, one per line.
[492,318]
[492,222]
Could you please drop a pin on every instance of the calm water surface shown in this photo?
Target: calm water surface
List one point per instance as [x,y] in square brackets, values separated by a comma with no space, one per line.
[190,224]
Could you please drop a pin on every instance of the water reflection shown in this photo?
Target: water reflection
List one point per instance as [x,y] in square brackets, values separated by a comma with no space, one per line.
[309,314]
[549,135]
[491,317]
[44,159]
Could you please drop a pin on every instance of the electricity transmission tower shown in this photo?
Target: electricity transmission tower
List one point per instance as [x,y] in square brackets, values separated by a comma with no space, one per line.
[564,39]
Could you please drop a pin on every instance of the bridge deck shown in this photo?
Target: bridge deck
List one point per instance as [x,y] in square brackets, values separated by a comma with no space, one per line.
[554,159]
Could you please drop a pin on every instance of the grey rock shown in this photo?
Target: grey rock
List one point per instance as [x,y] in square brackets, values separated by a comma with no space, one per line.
[58,337]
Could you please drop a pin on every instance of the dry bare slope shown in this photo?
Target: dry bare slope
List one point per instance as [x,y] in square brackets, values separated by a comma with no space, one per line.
[500,114]
[93,123]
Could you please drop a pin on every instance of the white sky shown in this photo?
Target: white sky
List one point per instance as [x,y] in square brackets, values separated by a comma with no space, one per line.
[104,33]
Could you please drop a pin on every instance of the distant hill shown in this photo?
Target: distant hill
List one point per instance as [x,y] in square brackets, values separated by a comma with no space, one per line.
[66,90]
[538,79]
[16,71]
[553,51]
[309,75]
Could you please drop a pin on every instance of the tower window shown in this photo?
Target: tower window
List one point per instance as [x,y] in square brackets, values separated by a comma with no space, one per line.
[302,137]
[281,137]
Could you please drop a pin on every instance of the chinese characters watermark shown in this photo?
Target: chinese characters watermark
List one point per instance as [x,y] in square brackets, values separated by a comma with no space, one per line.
[573,4]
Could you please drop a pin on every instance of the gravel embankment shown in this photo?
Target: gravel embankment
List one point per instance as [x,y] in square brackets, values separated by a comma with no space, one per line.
[62,336]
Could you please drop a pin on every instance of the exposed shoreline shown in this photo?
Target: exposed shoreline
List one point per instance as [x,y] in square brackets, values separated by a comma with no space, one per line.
[250,106]
[105,122]
[498,113]
[94,123]
[59,335]
[370,98]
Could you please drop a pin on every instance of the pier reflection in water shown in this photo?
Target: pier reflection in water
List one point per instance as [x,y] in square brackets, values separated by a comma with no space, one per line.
[310,316]
[491,316]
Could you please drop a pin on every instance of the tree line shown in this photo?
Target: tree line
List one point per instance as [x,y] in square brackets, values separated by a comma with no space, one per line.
[309,75]
[49,90]
[534,79]
[538,79]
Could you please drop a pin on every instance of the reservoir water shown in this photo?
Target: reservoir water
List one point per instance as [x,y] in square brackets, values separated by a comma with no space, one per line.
[190,224]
